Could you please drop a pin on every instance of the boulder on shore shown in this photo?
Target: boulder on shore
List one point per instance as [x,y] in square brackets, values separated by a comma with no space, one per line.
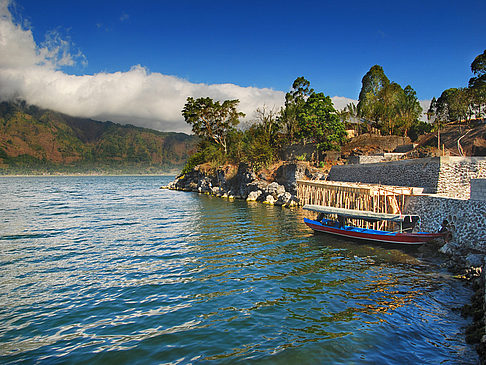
[242,182]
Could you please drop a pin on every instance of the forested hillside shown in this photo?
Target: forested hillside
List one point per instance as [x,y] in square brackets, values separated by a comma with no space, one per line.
[34,140]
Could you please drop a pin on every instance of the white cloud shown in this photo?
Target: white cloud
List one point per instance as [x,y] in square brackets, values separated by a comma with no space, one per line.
[425,104]
[137,96]
[340,102]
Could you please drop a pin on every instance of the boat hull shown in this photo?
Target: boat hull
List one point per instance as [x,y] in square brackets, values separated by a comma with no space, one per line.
[373,235]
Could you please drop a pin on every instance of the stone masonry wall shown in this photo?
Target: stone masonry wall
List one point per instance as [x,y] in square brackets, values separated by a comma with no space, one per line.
[456,174]
[448,176]
[422,172]
[466,218]
[478,189]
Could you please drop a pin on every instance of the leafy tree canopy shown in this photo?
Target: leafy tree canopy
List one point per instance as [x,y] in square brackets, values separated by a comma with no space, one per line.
[383,103]
[294,102]
[462,104]
[212,120]
[372,83]
[319,121]
[452,105]
[478,68]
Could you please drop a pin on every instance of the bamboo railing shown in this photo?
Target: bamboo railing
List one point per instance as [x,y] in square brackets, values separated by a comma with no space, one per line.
[368,197]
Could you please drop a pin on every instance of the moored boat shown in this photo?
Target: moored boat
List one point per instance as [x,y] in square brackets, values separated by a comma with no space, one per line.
[403,235]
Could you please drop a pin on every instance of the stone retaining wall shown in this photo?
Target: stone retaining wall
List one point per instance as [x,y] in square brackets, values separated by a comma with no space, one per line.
[466,217]
[478,189]
[381,157]
[456,174]
[448,176]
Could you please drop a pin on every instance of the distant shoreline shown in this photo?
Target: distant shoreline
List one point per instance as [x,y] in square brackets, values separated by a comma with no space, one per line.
[84,175]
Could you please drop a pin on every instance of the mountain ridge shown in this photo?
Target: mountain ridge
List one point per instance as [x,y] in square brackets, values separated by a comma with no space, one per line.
[33,140]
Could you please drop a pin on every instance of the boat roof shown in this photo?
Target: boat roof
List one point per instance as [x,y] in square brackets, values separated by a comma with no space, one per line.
[361,214]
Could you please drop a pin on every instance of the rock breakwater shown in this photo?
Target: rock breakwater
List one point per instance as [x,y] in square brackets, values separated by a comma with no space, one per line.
[241,182]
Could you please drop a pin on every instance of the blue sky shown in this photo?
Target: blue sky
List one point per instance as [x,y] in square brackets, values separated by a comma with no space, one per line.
[267,44]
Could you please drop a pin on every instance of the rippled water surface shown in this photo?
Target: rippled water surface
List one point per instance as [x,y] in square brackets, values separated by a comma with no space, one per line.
[116,270]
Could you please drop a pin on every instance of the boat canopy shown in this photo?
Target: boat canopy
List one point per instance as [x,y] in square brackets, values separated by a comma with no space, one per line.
[362,214]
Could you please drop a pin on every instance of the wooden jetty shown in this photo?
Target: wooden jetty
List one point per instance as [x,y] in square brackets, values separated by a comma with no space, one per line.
[365,197]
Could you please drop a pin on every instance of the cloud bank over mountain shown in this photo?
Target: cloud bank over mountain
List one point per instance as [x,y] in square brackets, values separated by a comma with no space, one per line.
[35,72]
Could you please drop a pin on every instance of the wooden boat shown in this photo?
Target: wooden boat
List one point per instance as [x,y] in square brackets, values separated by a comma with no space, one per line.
[404,234]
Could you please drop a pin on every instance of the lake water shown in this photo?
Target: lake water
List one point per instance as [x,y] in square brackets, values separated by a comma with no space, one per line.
[114,270]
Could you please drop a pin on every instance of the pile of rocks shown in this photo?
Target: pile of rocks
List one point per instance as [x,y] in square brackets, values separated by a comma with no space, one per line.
[246,184]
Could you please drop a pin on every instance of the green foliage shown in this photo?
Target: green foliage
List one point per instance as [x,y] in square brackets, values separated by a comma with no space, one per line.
[419,128]
[372,84]
[212,120]
[350,111]
[237,146]
[3,154]
[252,146]
[462,104]
[386,105]
[294,102]
[408,109]
[319,123]
[306,116]
[258,148]
[194,160]
[452,105]
[478,68]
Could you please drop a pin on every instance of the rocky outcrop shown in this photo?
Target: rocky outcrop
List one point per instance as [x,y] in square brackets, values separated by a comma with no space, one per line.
[288,174]
[243,183]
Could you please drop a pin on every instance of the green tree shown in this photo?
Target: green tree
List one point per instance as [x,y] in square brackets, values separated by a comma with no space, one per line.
[387,106]
[269,122]
[477,86]
[258,151]
[477,98]
[294,102]
[409,108]
[348,112]
[432,111]
[452,105]
[212,120]
[373,83]
[318,121]
[478,68]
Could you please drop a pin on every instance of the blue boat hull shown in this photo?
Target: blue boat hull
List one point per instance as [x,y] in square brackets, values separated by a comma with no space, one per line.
[332,227]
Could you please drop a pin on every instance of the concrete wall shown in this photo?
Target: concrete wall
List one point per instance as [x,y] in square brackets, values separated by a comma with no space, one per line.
[478,189]
[448,176]
[466,217]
